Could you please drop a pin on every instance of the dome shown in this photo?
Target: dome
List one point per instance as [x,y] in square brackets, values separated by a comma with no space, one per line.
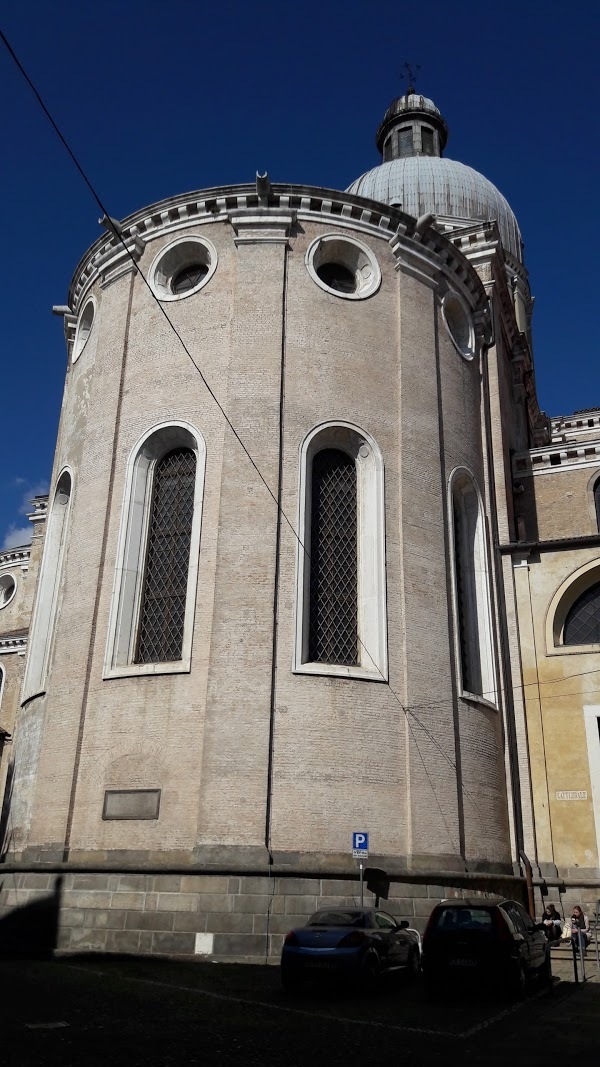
[411,102]
[415,176]
[419,184]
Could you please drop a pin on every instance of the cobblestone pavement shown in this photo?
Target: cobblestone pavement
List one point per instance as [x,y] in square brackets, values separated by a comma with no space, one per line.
[159,1013]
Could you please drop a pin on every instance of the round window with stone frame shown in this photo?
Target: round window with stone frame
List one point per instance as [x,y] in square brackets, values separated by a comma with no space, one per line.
[343,266]
[84,328]
[8,588]
[458,322]
[182,268]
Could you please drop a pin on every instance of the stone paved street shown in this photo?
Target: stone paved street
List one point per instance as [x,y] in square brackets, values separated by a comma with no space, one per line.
[162,1013]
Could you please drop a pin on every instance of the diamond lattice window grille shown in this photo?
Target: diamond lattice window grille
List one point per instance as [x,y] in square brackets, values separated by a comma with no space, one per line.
[582,624]
[162,612]
[333,635]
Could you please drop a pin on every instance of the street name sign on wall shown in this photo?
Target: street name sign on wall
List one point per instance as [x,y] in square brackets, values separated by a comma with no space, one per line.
[571,794]
[360,845]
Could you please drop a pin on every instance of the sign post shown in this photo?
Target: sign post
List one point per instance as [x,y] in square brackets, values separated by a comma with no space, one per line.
[360,851]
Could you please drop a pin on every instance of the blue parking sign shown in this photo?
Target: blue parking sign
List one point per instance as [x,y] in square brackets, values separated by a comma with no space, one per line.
[360,842]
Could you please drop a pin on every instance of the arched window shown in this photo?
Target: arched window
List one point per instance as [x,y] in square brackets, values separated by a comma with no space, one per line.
[341,610]
[471,590]
[44,615]
[582,623]
[152,611]
[162,612]
[333,633]
[597,502]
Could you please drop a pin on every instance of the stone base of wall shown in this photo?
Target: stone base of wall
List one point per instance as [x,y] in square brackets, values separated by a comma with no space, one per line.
[225,917]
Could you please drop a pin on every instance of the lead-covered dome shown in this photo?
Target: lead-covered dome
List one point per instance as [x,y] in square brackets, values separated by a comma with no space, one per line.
[419,184]
[413,175]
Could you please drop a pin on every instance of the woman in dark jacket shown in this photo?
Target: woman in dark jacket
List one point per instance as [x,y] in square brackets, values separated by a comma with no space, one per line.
[552,923]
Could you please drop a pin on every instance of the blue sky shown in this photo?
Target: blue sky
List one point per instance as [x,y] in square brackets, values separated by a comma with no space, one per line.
[158,99]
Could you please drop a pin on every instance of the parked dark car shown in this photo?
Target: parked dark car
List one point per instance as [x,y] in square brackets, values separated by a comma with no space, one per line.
[488,940]
[359,943]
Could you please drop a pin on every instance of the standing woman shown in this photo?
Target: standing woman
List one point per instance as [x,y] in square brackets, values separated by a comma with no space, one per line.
[580,924]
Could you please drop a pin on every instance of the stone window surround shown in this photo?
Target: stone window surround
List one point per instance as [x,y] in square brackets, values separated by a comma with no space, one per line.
[44,613]
[366,259]
[78,345]
[8,574]
[170,250]
[372,608]
[591,717]
[469,351]
[131,551]
[565,596]
[485,639]
[594,500]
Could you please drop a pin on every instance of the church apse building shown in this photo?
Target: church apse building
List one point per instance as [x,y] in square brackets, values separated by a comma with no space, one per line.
[291,515]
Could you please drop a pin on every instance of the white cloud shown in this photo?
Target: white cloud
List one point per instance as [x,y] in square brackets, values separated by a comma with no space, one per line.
[16,536]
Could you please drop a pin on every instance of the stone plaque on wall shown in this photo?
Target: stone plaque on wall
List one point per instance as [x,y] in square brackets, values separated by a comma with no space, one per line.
[571,794]
[131,804]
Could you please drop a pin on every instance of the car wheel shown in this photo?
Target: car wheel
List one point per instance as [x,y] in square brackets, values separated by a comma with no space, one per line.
[370,971]
[413,964]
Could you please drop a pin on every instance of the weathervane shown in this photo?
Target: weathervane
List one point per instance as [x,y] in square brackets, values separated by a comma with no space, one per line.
[409,74]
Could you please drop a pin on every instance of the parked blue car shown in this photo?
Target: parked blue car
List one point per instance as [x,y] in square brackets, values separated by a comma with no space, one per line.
[357,943]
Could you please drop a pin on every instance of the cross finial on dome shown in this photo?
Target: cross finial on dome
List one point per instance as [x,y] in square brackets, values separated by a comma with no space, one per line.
[409,73]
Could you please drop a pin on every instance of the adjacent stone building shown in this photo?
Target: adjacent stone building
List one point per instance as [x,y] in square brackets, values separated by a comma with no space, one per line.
[277,600]
[19,568]
[556,565]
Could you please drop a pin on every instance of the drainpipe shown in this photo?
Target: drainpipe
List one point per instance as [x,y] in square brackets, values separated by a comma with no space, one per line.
[529,880]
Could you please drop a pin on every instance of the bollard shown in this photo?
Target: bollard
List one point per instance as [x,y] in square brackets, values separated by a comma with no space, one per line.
[575,970]
[582,944]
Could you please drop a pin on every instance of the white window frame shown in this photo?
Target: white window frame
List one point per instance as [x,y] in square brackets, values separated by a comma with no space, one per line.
[563,600]
[371,570]
[483,600]
[591,715]
[44,614]
[80,342]
[132,546]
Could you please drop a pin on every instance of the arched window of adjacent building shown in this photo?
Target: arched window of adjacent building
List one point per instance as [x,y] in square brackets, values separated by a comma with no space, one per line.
[341,610]
[597,502]
[44,615]
[471,589]
[152,611]
[582,621]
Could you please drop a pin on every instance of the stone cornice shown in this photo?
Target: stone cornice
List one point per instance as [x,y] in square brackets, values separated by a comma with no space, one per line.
[556,457]
[429,257]
[40,509]
[482,245]
[107,258]
[15,557]
[13,643]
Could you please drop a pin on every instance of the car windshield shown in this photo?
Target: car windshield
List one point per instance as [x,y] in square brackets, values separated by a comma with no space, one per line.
[449,919]
[339,917]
